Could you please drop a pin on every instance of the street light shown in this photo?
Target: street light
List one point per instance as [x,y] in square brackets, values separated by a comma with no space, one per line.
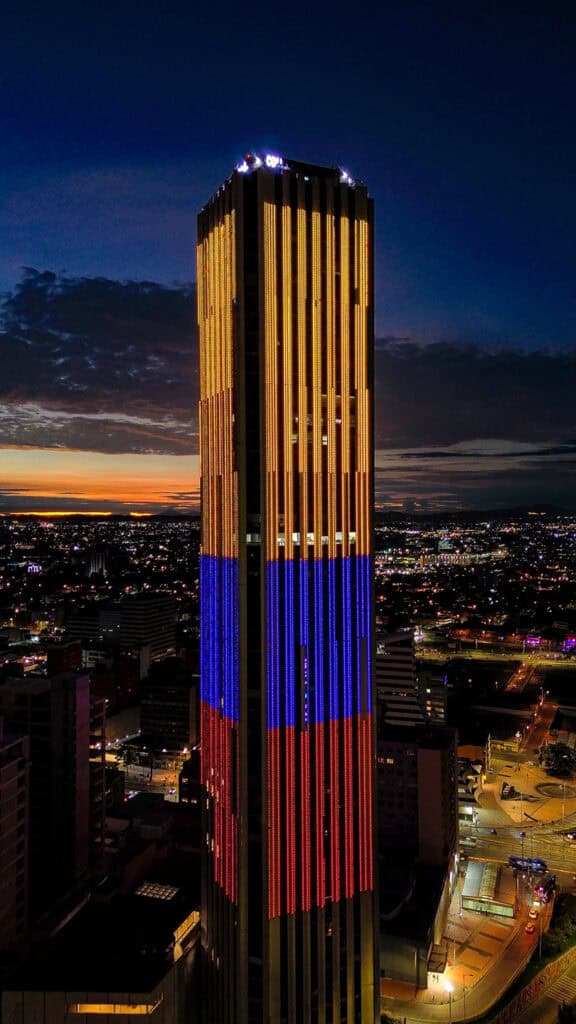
[464,976]
[540,932]
[449,988]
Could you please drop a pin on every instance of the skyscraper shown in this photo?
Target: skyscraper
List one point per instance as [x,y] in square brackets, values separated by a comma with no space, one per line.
[285,316]
[398,695]
[55,715]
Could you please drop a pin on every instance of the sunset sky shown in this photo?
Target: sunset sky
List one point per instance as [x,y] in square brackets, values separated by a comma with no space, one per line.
[116,130]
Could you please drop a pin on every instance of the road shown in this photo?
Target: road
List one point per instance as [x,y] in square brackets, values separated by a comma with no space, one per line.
[532,826]
[538,734]
[537,660]
[522,677]
[541,841]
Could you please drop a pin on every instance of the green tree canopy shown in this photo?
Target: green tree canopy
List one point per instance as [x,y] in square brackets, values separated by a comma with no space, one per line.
[559,759]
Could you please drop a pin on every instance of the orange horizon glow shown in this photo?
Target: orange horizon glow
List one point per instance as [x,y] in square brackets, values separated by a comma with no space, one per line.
[137,484]
[56,515]
[76,512]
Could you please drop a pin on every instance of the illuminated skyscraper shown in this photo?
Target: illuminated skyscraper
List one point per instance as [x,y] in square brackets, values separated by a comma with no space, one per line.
[286,336]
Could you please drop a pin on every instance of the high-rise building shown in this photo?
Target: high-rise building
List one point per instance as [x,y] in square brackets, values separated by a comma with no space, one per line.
[14,798]
[168,713]
[138,619]
[434,694]
[417,792]
[55,714]
[397,691]
[285,315]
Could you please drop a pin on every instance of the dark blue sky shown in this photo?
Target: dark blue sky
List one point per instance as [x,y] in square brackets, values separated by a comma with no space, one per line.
[119,119]
[117,122]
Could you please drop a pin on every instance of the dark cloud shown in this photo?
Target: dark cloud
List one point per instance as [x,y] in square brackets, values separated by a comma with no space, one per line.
[443,393]
[478,474]
[545,452]
[98,364]
[108,366]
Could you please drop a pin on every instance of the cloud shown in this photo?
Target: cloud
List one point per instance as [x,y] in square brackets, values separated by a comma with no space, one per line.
[443,393]
[98,364]
[101,366]
[478,474]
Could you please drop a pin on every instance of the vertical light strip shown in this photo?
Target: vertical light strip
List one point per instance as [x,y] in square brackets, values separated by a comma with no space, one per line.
[305,782]
[271,378]
[271,403]
[287,374]
[273,734]
[345,382]
[290,726]
[219,661]
[349,828]
[302,297]
[330,427]
[316,360]
[334,715]
[363,435]
[306,830]
[319,732]
[288,565]
[306,653]
[317,522]
[347,691]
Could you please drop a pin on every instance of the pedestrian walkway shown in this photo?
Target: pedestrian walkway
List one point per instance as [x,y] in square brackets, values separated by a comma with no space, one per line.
[535,808]
[563,990]
[485,954]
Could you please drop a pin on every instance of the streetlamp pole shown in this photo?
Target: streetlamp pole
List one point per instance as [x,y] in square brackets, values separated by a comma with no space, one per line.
[449,988]
[464,976]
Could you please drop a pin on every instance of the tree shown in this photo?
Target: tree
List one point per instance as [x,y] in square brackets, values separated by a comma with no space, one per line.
[559,759]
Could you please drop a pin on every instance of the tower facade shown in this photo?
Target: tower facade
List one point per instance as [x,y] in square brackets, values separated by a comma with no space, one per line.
[285,317]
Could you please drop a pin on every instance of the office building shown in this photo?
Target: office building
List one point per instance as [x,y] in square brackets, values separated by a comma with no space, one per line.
[432,685]
[115,960]
[137,620]
[14,797]
[55,714]
[418,792]
[397,691]
[169,717]
[286,383]
[418,838]
[97,776]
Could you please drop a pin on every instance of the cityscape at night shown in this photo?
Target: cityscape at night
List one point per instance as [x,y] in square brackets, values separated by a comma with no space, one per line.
[478,618]
[287,514]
